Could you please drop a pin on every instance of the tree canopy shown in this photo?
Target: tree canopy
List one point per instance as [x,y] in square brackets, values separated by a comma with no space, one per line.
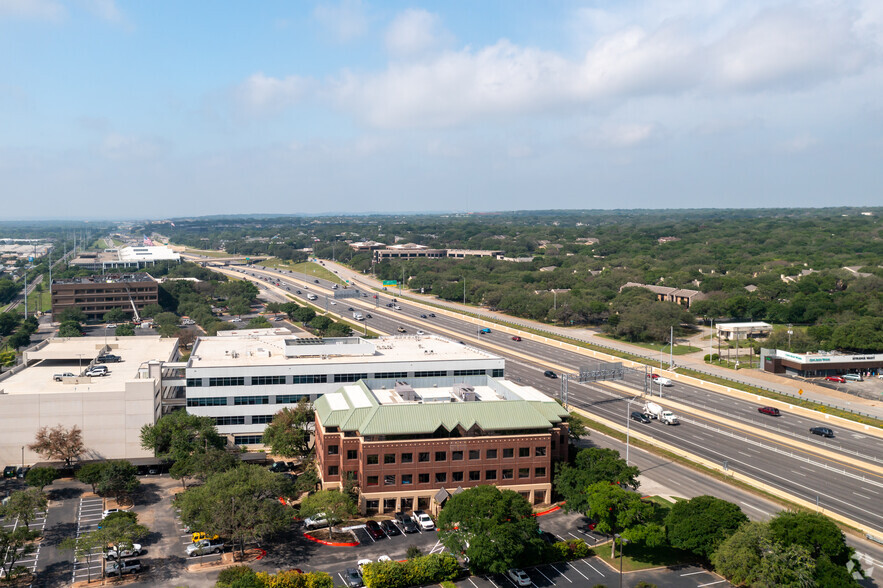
[179,434]
[59,443]
[337,506]
[617,510]
[592,465]
[288,434]
[702,523]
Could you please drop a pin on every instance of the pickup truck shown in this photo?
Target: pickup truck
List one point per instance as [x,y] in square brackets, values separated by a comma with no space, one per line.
[205,547]
[311,297]
[124,566]
[60,377]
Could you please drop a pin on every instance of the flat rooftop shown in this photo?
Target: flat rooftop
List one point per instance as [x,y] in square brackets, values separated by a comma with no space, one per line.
[75,354]
[253,349]
[107,279]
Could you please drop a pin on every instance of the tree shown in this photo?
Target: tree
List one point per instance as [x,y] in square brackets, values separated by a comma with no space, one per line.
[576,429]
[73,314]
[59,443]
[202,464]
[151,310]
[814,531]
[115,315]
[592,465]
[41,477]
[620,511]
[8,323]
[86,546]
[23,339]
[238,306]
[338,506]
[241,504]
[320,323]
[259,322]
[304,314]
[179,434]
[91,473]
[25,505]
[119,479]
[121,530]
[125,330]
[288,434]
[16,545]
[701,524]
[495,528]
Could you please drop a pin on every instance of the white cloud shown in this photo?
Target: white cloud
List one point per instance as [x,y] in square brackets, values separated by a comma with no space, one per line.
[261,93]
[35,9]
[414,32]
[105,10]
[129,147]
[346,21]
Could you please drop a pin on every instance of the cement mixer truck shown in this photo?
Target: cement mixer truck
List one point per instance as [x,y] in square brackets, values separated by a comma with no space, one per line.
[657,412]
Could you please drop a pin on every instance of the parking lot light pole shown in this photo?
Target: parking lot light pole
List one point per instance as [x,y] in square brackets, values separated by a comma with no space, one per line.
[628,427]
[622,542]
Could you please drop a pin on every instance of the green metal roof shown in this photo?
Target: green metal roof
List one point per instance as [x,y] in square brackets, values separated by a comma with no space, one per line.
[426,418]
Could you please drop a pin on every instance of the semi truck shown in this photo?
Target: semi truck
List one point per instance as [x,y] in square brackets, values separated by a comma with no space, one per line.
[657,412]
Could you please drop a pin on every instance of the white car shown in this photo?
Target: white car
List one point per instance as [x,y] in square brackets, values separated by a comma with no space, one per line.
[519,577]
[316,521]
[362,563]
[111,325]
[424,520]
[332,303]
[396,307]
[109,511]
[420,332]
[384,558]
[92,372]
[112,553]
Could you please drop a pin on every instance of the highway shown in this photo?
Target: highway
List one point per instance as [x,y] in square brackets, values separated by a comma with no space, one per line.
[842,475]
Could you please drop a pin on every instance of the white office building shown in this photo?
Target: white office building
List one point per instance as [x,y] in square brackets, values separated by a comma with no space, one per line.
[242,379]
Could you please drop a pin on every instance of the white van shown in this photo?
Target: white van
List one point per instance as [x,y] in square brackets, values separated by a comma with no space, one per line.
[852,377]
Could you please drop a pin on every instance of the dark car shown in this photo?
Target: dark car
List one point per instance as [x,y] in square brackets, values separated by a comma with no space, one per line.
[550,374]
[279,467]
[109,358]
[389,527]
[9,472]
[351,309]
[423,316]
[368,315]
[298,292]
[407,523]
[353,578]
[640,417]
[315,281]
[431,315]
[516,338]
[389,305]
[769,410]
[823,431]
[373,528]
[22,472]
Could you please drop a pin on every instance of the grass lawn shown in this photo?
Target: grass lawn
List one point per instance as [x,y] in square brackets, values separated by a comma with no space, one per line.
[206,252]
[661,347]
[306,267]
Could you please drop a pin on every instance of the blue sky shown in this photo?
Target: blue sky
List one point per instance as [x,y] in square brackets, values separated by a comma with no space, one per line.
[113,109]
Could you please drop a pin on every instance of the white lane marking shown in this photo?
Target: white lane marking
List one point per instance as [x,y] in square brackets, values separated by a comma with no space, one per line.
[869,490]
[798,473]
[862,495]
[594,568]
[806,468]
[579,572]
[755,508]
[711,583]
[562,573]
[471,582]
[693,573]
[545,576]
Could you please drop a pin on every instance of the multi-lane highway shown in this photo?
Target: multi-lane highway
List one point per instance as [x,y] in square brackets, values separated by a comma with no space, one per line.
[843,475]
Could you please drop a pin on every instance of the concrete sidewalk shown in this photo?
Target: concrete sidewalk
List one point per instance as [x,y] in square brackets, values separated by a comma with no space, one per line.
[695,361]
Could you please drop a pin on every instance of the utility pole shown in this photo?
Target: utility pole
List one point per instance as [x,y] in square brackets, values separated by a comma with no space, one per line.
[671,350]
[464,290]
[26,291]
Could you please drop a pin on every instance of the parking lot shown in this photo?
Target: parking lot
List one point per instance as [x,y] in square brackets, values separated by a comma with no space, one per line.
[29,561]
[89,513]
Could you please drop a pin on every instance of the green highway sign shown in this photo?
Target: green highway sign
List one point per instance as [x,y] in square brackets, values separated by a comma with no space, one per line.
[390,282]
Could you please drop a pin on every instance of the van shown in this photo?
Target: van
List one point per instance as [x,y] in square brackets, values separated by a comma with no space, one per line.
[852,377]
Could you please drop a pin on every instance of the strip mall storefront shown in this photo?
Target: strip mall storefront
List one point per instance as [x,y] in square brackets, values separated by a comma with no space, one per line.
[810,365]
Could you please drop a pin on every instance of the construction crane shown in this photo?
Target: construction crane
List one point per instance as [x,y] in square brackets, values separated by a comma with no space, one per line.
[137,319]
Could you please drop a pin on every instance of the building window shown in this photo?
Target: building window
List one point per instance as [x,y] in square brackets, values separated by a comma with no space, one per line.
[507,474]
[540,452]
[474,454]
[332,470]
[267,380]
[238,381]
[389,458]
[508,452]
[389,504]
[371,506]
[423,478]
[456,456]
[523,472]
[310,379]
[373,459]
[211,401]
[341,378]
[497,374]
[289,398]
[539,472]
[261,419]
[492,454]
[333,449]
[407,479]
[352,454]
[469,372]
[390,375]
[553,445]
[441,456]
[431,374]
[389,480]
[229,420]
[248,439]
[423,456]
[490,474]
[373,481]
[524,452]
[474,475]
[456,476]
[194,382]
[441,477]
[407,458]
[250,400]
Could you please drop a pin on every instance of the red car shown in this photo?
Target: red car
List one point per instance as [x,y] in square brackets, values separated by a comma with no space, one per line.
[516,338]
[652,376]
[837,379]
[769,410]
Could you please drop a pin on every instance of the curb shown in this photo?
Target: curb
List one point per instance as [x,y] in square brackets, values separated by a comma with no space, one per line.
[330,543]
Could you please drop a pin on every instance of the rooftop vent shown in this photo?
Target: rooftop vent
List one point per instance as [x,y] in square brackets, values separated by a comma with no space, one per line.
[465,392]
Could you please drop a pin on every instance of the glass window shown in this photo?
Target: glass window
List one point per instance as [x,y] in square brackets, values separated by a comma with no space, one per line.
[540,472]
[441,456]
[474,475]
[333,449]
[423,478]
[524,452]
[229,420]
[352,454]
[261,419]
[389,480]
[497,373]
[248,439]
[507,474]
[523,472]
[194,382]
[490,474]
[373,459]
[423,456]
[339,378]
[290,398]
[492,454]
[474,454]
[456,476]
[431,374]
[310,379]
[250,400]
[540,452]
[390,375]
[211,401]
[407,458]
[332,470]
[371,505]
[389,458]
[267,380]
[239,381]
[441,477]
[407,479]
[373,481]
[469,372]
[456,456]
[508,452]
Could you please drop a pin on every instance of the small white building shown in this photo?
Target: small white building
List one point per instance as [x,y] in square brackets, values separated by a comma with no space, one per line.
[752,330]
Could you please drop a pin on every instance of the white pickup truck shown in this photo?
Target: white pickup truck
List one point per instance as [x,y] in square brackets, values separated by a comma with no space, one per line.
[657,412]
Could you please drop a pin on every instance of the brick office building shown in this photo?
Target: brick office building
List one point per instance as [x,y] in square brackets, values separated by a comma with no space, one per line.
[95,295]
[411,447]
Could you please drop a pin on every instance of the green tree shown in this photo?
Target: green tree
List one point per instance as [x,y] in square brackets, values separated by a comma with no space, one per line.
[151,310]
[202,464]
[16,545]
[86,546]
[121,530]
[238,306]
[259,322]
[72,314]
[119,479]
[125,330]
[25,505]
[8,323]
[59,443]
[321,323]
[819,534]
[288,434]
[241,504]
[702,523]
[620,511]
[91,473]
[41,477]
[179,434]
[592,465]
[115,315]
[23,339]
[494,528]
[304,314]
[338,506]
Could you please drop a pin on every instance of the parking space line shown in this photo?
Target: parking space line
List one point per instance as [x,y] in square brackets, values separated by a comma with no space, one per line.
[489,579]
[597,571]
[711,583]
[693,573]
[545,576]
[562,573]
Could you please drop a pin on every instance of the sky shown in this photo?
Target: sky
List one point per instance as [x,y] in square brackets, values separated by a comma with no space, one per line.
[113,109]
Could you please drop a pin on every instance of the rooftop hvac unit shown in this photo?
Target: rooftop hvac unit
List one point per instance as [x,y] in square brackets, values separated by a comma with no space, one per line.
[465,392]
[406,392]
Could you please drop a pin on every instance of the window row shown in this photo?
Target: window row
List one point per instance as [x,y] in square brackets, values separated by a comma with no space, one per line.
[424,456]
[248,439]
[325,378]
[258,419]
[245,400]
[442,477]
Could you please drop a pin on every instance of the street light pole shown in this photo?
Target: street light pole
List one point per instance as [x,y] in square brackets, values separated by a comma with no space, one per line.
[464,290]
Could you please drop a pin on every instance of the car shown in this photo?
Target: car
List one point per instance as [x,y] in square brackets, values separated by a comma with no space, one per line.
[823,431]
[316,521]
[201,536]
[279,467]
[111,326]
[640,417]
[298,292]
[396,307]
[236,320]
[351,309]
[92,372]
[519,577]
[424,520]
[384,558]
[364,295]
[837,379]
[22,472]
[9,472]
[368,315]
[124,566]
[373,529]
[278,319]
[769,410]
[484,331]
[109,358]
[389,304]
[333,303]
[389,527]
[353,578]
[364,562]
[60,377]
[431,315]
[401,330]
[652,376]
[205,547]
[113,553]
[109,512]
[315,281]
[419,332]
[407,523]
[550,374]
[423,316]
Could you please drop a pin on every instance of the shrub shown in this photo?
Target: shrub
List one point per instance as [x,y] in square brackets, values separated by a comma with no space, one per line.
[567,550]
[234,575]
[429,569]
